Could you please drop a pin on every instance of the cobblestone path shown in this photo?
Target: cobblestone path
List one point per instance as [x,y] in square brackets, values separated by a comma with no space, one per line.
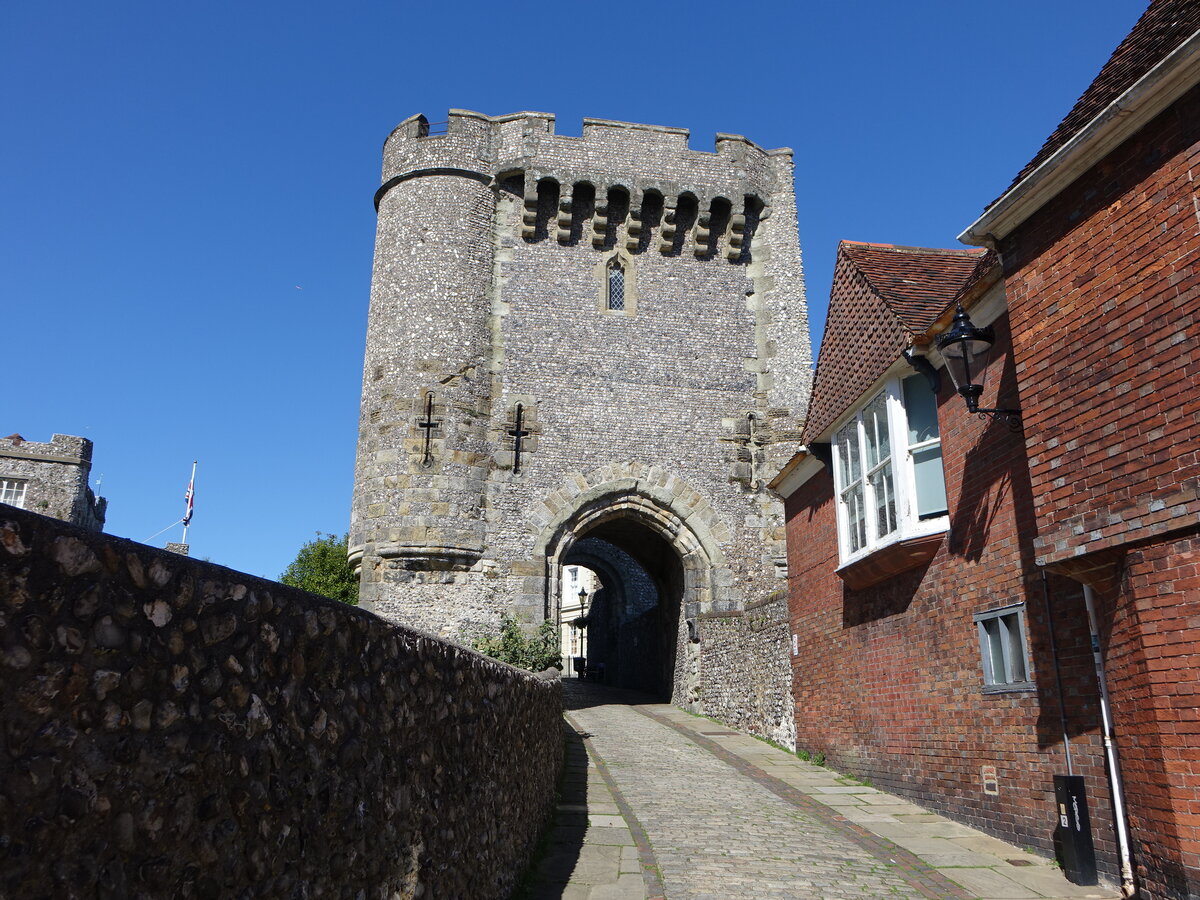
[657,803]
[717,837]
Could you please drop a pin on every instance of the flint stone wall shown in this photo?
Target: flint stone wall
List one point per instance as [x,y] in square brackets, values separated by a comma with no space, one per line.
[171,728]
[56,474]
[486,295]
[755,643]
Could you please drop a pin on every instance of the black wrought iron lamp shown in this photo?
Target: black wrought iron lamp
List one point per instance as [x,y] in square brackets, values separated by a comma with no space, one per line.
[581,622]
[966,348]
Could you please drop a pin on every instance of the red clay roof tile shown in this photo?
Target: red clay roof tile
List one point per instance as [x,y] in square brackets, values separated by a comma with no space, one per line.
[883,296]
[916,283]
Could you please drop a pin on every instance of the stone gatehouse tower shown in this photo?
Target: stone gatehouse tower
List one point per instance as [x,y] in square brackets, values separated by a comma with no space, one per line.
[587,351]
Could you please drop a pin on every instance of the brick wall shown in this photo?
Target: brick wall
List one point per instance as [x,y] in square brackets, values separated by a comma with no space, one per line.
[1148,627]
[888,680]
[1104,296]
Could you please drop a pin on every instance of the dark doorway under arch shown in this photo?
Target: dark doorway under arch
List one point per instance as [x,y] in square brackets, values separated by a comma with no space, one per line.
[633,620]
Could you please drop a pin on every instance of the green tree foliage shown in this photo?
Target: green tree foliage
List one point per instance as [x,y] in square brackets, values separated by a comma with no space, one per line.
[536,652]
[321,568]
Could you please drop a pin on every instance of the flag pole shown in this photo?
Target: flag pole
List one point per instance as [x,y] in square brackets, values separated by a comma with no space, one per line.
[187,516]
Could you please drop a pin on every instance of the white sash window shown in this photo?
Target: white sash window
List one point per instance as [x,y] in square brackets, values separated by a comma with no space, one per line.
[12,491]
[888,469]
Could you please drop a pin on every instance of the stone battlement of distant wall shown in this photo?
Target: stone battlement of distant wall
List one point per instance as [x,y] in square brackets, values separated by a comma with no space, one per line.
[53,476]
[66,448]
[174,728]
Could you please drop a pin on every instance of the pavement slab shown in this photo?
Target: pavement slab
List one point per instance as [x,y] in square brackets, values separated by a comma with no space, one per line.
[658,803]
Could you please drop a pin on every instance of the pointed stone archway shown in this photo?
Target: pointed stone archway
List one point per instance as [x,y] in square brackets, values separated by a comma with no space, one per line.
[630,517]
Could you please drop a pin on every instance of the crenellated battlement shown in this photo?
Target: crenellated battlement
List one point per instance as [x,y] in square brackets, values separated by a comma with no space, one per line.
[528,124]
[606,130]
[621,184]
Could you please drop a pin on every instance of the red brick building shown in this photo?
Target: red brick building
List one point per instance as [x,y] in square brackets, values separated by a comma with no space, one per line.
[941,629]
[910,555]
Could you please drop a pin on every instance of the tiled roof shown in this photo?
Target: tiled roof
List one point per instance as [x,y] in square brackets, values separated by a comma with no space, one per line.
[1163,26]
[915,282]
[882,298]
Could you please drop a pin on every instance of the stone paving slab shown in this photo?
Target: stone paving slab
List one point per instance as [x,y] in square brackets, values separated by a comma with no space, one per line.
[590,852]
[658,803]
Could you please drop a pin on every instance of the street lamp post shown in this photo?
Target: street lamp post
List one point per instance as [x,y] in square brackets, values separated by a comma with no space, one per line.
[582,620]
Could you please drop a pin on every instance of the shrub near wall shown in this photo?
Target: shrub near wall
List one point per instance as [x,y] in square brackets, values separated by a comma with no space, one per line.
[171,728]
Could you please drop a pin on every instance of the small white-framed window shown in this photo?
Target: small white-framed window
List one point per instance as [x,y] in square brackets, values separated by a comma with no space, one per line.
[616,284]
[888,469]
[924,447]
[852,516]
[877,442]
[12,491]
[1004,649]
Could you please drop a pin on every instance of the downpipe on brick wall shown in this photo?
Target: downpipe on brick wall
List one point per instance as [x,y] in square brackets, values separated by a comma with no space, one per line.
[1110,748]
[1062,708]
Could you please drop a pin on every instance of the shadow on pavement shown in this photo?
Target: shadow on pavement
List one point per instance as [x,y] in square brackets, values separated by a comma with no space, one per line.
[579,855]
[559,852]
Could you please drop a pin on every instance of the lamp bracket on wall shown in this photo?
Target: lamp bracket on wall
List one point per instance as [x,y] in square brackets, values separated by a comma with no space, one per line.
[1010,418]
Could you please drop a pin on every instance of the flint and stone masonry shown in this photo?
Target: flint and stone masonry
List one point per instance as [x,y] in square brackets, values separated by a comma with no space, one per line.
[173,728]
[601,336]
[51,478]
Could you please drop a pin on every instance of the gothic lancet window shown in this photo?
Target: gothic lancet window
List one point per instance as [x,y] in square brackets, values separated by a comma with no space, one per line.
[616,284]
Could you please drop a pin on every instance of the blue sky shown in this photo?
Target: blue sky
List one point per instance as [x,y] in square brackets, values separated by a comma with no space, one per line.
[186,225]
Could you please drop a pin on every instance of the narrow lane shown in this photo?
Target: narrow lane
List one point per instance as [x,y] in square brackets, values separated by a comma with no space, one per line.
[717,835]
[658,803]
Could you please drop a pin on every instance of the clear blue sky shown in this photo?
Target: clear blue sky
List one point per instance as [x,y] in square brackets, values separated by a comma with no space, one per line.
[185,193]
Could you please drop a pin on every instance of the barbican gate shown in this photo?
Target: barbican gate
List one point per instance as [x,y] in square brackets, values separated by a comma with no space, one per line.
[586,350]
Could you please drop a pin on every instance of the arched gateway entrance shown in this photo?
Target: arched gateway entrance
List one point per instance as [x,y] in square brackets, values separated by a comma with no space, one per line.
[647,536]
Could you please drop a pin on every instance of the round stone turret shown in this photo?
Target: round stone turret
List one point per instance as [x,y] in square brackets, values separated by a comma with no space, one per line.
[423,434]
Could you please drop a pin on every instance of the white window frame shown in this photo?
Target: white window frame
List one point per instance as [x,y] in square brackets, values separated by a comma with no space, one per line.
[15,488]
[1011,655]
[909,525]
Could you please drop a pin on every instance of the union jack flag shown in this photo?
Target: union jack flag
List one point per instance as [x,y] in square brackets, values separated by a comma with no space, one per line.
[189,497]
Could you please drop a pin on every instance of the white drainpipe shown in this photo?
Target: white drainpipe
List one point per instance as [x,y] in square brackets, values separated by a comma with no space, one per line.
[1110,748]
